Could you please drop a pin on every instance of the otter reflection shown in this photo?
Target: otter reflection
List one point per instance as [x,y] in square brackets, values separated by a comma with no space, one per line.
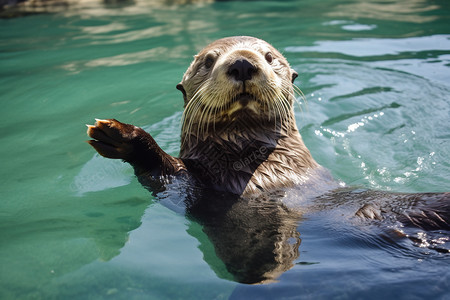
[256,238]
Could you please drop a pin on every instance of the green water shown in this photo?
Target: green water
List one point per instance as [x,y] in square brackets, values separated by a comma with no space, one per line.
[376,77]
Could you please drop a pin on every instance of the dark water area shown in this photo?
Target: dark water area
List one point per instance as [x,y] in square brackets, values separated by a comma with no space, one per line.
[73,225]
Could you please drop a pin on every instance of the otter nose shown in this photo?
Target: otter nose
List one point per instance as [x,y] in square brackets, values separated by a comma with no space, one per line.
[242,70]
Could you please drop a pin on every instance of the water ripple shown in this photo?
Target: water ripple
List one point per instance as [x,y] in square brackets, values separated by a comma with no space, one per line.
[364,47]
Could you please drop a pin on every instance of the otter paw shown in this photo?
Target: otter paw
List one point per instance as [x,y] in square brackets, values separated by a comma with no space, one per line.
[111,138]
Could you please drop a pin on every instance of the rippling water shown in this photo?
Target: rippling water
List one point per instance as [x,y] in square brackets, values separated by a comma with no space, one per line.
[376,79]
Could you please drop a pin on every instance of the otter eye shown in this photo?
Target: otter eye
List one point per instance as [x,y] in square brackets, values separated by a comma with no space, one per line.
[209,61]
[269,57]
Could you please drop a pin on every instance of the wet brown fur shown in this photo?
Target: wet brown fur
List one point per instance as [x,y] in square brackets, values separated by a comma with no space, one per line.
[237,136]
[241,137]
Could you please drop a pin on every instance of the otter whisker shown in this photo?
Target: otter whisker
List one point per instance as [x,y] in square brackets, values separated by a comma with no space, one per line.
[201,126]
[283,105]
[290,94]
[299,92]
[285,109]
[270,93]
[194,109]
[278,109]
[209,114]
[215,109]
[273,107]
[289,105]
[296,90]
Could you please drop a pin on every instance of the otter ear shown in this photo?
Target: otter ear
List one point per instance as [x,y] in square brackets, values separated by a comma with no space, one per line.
[181,88]
[294,75]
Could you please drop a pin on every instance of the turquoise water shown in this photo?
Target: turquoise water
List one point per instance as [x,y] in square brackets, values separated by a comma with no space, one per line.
[376,77]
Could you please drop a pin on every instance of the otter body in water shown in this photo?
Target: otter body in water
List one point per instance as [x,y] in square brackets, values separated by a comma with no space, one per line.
[239,137]
[239,133]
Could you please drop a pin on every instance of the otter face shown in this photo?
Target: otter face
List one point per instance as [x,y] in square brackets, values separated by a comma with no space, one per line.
[233,78]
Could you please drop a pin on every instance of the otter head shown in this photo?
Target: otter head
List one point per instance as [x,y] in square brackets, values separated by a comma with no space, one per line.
[237,79]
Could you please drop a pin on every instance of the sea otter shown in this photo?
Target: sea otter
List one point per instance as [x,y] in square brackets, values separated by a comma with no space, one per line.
[239,133]
[240,151]
[239,136]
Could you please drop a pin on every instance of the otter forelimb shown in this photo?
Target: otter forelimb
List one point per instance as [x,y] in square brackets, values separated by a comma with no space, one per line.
[113,139]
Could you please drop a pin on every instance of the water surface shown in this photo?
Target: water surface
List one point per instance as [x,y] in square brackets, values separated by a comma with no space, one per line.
[376,78]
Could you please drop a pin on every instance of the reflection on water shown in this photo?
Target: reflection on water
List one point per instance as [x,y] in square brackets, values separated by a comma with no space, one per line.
[379,47]
[18,8]
[150,55]
[256,239]
[405,10]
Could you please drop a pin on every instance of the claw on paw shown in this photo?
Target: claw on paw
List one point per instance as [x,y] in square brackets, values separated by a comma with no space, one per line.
[99,122]
[110,138]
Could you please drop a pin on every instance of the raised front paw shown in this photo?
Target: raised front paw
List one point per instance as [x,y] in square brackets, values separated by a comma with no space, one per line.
[112,138]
